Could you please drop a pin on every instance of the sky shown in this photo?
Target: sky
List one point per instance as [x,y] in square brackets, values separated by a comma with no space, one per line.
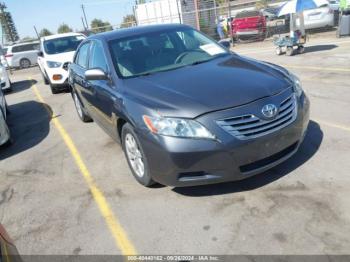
[51,13]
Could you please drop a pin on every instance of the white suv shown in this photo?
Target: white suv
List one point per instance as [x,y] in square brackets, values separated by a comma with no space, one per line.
[56,52]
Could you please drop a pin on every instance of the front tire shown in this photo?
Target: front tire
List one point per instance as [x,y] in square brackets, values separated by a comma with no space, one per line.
[54,89]
[46,81]
[289,51]
[80,109]
[278,50]
[7,130]
[135,156]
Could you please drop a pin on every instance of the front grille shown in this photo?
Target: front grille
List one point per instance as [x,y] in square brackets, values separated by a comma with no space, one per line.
[65,66]
[250,126]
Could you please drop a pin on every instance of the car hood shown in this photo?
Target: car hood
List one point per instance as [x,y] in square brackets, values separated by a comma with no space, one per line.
[215,85]
[62,57]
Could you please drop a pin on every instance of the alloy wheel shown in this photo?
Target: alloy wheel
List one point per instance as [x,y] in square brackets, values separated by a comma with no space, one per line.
[134,155]
[78,105]
[25,63]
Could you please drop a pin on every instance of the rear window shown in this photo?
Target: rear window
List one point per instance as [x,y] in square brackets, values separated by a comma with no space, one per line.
[248,14]
[24,48]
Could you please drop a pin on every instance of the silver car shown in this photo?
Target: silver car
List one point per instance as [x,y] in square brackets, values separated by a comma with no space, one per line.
[318,17]
[4,130]
[22,55]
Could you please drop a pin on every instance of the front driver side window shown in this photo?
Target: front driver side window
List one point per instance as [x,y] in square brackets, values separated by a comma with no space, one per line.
[82,56]
[97,58]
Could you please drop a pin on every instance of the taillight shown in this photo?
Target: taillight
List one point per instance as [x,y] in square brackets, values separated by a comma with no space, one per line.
[9,55]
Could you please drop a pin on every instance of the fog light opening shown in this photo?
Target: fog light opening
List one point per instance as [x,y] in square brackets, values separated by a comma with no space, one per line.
[57,77]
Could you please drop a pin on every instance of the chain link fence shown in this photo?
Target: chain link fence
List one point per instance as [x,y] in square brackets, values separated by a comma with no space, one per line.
[239,20]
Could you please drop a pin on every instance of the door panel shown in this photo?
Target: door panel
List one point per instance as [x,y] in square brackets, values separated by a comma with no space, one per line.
[78,69]
[104,92]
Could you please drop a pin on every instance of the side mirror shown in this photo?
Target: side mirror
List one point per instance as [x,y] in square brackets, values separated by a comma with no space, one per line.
[40,53]
[225,43]
[95,74]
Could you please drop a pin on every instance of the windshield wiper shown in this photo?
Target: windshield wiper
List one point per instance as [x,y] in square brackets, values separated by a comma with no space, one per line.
[200,62]
[144,74]
[207,60]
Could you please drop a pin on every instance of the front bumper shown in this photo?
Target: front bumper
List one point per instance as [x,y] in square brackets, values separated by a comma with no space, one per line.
[249,32]
[50,72]
[187,162]
[5,85]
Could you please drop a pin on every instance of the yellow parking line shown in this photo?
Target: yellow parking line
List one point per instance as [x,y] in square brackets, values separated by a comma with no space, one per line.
[319,68]
[342,127]
[119,234]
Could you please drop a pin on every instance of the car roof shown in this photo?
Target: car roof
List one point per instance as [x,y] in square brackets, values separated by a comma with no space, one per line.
[26,43]
[137,30]
[59,36]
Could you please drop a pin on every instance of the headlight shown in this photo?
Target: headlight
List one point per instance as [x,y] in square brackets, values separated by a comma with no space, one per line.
[53,64]
[296,84]
[177,127]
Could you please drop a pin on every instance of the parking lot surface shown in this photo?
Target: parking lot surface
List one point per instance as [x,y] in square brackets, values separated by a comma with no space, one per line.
[65,187]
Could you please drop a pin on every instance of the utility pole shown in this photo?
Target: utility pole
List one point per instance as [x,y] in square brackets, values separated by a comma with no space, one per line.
[82,20]
[86,22]
[198,27]
[36,31]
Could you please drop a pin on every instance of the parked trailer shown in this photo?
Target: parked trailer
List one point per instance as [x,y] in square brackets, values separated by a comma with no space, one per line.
[158,12]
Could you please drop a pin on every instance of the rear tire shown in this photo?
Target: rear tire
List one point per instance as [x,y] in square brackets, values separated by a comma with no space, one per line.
[80,108]
[24,63]
[301,49]
[135,156]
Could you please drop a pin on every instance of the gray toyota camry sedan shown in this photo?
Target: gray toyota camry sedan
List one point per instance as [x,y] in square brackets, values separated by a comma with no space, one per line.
[186,110]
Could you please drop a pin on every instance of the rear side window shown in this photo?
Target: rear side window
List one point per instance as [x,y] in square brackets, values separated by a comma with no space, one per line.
[17,49]
[82,56]
[98,58]
[248,14]
[24,48]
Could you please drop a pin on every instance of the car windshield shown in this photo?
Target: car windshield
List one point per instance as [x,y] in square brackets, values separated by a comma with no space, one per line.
[161,51]
[245,14]
[62,45]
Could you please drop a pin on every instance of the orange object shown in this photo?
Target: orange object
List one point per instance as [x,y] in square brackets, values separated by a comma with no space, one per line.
[57,77]
[149,124]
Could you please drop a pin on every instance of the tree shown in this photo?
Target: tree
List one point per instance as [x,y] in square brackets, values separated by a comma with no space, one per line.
[98,26]
[7,24]
[128,21]
[64,28]
[45,32]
